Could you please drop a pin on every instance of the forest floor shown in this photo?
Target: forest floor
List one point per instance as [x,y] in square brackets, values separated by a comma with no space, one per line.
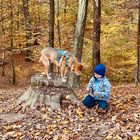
[121,122]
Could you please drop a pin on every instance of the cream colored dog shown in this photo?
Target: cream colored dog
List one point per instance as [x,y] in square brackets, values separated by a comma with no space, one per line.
[61,58]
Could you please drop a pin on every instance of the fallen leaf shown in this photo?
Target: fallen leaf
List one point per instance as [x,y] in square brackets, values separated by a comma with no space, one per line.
[135,137]
[65,137]
[108,137]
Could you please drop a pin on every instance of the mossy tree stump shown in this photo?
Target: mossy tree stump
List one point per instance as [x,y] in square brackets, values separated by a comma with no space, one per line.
[48,92]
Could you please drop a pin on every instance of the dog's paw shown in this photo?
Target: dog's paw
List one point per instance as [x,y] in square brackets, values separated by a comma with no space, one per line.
[65,77]
[64,80]
[49,77]
[43,73]
[50,74]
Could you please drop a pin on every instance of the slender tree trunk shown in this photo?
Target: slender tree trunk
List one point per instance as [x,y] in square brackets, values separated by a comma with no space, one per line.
[138,50]
[51,28]
[39,17]
[96,32]
[58,21]
[3,38]
[18,22]
[51,23]
[11,43]
[3,61]
[27,29]
[80,28]
[65,10]
[79,36]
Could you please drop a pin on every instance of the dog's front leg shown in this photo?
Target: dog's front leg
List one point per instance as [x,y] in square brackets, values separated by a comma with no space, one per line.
[62,61]
[65,72]
[62,74]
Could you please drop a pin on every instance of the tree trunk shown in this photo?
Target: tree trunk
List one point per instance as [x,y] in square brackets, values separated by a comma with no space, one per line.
[138,50]
[28,29]
[51,23]
[79,35]
[3,39]
[96,32]
[18,24]
[11,43]
[3,61]
[58,21]
[80,28]
[65,11]
[47,92]
[51,28]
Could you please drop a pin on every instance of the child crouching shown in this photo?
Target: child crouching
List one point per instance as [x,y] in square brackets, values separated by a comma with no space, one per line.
[98,88]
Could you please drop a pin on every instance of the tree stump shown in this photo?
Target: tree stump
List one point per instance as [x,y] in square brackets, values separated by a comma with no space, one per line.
[48,92]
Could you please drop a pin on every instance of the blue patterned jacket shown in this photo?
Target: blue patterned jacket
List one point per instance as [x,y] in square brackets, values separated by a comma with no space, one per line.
[101,86]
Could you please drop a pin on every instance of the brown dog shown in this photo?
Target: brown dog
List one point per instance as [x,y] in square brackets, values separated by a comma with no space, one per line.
[61,58]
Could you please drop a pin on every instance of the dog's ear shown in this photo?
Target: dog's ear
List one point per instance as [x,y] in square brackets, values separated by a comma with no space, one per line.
[81,66]
[85,66]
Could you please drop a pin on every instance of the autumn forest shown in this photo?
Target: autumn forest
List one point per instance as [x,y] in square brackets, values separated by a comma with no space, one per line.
[94,32]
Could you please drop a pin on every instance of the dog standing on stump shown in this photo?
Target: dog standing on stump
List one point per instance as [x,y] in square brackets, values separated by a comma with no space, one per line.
[62,59]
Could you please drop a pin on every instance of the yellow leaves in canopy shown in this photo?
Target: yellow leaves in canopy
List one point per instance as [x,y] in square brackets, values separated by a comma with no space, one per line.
[111,29]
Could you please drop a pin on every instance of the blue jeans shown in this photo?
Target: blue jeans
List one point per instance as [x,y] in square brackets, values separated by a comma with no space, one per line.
[91,102]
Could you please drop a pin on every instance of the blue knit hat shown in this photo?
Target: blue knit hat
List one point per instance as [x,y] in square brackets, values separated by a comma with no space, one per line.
[100,69]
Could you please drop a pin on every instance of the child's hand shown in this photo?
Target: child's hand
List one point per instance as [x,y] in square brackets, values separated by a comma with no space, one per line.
[88,89]
[95,93]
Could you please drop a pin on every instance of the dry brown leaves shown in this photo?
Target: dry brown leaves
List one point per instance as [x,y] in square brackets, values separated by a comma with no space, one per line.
[121,122]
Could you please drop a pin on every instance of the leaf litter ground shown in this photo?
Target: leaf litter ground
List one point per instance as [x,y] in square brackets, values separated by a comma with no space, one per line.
[122,121]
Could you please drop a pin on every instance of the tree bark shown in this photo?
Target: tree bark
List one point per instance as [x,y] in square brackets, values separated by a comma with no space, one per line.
[51,23]
[28,29]
[65,11]
[80,28]
[79,35]
[58,22]
[3,60]
[47,92]
[96,32]
[18,24]
[12,43]
[138,50]
[3,39]
[51,28]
